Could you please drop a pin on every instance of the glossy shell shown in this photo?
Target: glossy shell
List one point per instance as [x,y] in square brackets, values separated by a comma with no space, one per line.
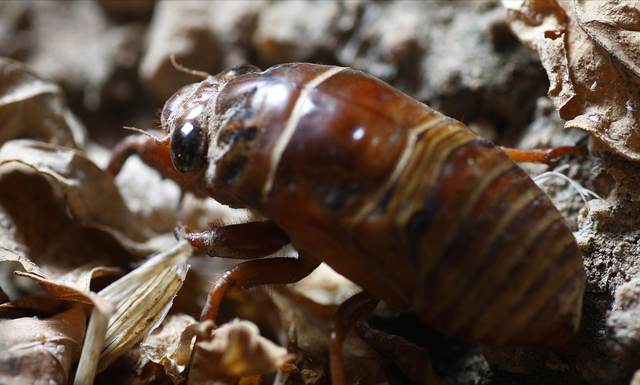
[409,204]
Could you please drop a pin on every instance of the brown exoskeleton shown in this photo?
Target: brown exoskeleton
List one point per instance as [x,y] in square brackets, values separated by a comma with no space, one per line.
[407,203]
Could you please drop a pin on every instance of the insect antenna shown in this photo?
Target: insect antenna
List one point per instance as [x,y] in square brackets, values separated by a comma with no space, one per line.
[164,140]
[181,68]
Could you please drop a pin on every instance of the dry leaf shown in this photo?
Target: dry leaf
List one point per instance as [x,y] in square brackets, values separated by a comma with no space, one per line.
[69,289]
[49,246]
[614,25]
[35,108]
[235,350]
[63,254]
[86,188]
[133,306]
[142,299]
[125,311]
[39,340]
[171,345]
[589,50]
[325,286]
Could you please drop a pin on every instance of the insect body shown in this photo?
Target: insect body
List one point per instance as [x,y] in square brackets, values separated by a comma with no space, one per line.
[409,204]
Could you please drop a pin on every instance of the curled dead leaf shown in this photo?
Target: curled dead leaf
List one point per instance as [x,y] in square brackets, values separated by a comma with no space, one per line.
[171,345]
[64,213]
[68,288]
[234,351]
[589,50]
[40,340]
[85,186]
[44,240]
[35,108]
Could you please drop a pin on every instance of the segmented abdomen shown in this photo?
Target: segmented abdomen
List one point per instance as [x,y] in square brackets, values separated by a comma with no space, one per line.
[496,261]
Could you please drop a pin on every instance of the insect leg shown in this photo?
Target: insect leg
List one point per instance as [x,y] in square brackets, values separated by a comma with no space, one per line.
[548,156]
[254,273]
[248,240]
[353,309]
[155,155]
[150,152]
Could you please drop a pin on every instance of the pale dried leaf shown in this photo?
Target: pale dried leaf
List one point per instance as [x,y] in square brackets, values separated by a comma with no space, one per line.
[143,298]
[140,300]
[235,350]
[325,286]
[127,310]
[39,349]
[35,108]
[589,50]
[171,345]
[88,364]
[8,255]
[69,289]
[615,25]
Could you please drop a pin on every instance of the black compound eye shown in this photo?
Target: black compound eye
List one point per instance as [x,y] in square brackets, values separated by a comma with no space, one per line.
[188,148]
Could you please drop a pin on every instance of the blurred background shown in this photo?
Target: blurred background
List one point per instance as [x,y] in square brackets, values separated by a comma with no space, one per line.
[112,57]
